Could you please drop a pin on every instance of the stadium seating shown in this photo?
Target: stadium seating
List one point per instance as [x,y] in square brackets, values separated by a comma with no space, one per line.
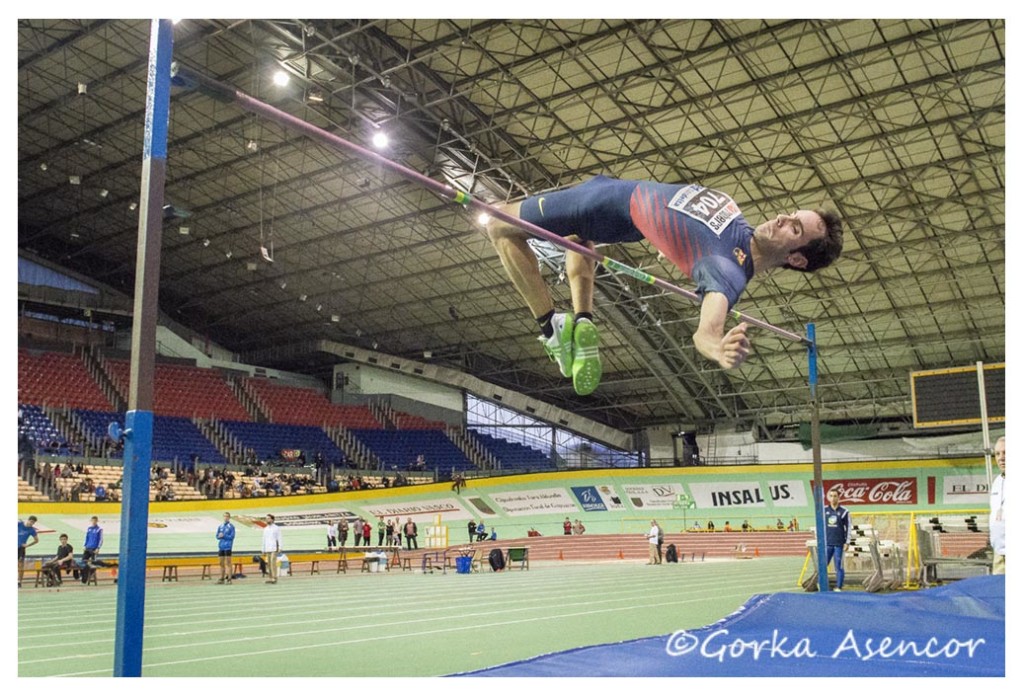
[268,439]
[173,437]
[301,406]
[184,391]
[57,379]
[513,455]
[41,429]
[398,449]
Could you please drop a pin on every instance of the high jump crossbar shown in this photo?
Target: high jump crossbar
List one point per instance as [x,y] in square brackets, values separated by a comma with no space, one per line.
[184,77]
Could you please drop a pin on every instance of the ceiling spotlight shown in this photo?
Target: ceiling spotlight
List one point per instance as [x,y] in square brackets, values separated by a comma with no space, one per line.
[484,218]
[309,30]
[380,140]
[250,265]
[281,78]
[375,345]
[206,242]
[314,95]
[427,355]
[228,254]
[302,298]
[83,88]
[104,193]
[44,166]
[359,332]
[175,21]
[133,205]
[252,146]
[74,180]
[335,318]
[184,230]
[284,284]
[319,307]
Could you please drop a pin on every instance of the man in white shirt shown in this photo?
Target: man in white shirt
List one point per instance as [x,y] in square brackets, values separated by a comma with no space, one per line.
[271,547]
[996,517]
[652,544]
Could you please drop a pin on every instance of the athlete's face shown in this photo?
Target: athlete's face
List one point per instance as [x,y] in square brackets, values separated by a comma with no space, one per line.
[786,232]
[1001,455]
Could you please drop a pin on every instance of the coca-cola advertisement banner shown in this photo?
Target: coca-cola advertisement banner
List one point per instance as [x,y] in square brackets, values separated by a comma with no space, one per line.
[875,491]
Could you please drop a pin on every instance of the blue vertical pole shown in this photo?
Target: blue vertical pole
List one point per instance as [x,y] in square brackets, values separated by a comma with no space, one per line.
[817,486]
[131,588]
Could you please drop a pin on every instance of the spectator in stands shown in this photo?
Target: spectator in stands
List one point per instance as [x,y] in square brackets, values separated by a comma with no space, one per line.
[271,547]
[532,532]
[481,531]
[27,536]
[26,453]
[366,533]
[64,560]
[728,527]
[745,526]
[794,525]
[410,534]
[382,531]
[471,528]
[56,472]
[696,526]
[421,463]
[578,528]
[567,527]
[100,493]
[837,535]
[997,517]
[91,547]
[391,532]
[225,541]
[357,531]
[494,534]
[342,532]
[332,534]
[652,544]
[779,525]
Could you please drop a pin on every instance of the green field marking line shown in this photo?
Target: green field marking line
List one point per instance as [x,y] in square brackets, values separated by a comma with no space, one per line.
[320,645]
[679,582]
[629,595]
[661,604]
[242,605]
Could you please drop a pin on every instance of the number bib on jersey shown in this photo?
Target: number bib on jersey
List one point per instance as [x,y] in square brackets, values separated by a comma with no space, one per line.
[712,208]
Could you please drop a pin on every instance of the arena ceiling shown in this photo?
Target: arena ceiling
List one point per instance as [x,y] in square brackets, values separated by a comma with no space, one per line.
[899,125]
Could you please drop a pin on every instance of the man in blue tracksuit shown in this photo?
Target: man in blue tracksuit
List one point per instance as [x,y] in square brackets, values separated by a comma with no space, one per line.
[93,542]
[27,536]
[225,541]
[837,535]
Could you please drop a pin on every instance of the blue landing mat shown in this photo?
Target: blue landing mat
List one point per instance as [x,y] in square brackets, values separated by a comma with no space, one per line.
[957,630]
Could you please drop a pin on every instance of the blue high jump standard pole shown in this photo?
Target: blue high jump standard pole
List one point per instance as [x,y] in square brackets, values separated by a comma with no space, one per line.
[817,486]
[138,432]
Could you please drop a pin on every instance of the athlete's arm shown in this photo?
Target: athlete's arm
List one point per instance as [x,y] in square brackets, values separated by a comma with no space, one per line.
[727,349]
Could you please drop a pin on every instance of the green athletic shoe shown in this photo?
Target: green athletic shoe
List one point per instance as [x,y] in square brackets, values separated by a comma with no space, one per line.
[586,363]
[559,346]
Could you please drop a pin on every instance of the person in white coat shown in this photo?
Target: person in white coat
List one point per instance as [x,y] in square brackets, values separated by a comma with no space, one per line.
[997,515]
[271,547]
[652,543]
